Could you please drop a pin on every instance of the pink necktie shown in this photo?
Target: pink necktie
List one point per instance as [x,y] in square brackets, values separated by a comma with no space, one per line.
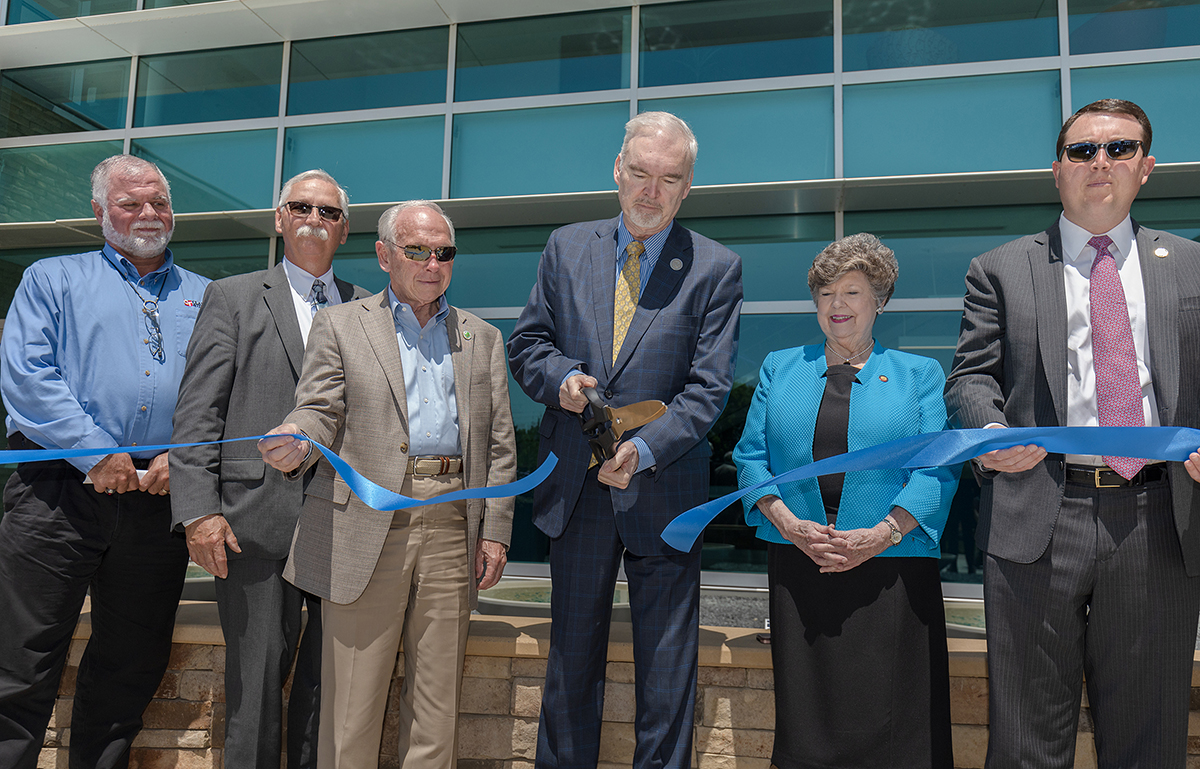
[1118,387]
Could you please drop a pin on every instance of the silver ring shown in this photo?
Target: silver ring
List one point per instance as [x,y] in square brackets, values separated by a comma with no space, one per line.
[108,491]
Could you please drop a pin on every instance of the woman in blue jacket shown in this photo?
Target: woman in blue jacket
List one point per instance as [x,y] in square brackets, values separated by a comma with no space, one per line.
[858,633]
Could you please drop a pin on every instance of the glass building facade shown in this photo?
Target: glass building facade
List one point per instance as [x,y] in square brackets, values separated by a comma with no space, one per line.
[930,123]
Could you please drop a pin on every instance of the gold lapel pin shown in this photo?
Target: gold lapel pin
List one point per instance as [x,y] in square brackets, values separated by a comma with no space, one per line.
[1160,252]
[882,378]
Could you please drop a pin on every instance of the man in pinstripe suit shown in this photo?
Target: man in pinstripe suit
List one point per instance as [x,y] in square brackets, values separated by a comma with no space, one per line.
[681,295]
[1093,563]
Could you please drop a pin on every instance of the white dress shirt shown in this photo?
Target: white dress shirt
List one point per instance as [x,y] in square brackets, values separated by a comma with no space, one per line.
[1081,374]
[301,283]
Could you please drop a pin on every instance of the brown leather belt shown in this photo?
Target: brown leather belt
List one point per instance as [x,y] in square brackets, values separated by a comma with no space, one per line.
[1104,478]
[429,466]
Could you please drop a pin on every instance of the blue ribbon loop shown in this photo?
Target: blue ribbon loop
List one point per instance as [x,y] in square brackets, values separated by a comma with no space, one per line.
[952,447]
[371,493]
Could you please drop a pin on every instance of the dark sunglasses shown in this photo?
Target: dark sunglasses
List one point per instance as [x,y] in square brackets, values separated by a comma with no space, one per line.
[422,253]
[328,213]
[1121,149]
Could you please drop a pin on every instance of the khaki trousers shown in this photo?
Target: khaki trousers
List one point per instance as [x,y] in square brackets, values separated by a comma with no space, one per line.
[419,592]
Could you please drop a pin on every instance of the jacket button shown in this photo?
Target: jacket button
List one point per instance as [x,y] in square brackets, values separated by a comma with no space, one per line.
[608,393]
[404,448]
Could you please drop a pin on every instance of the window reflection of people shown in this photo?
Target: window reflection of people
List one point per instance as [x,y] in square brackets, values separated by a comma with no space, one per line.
[858,637]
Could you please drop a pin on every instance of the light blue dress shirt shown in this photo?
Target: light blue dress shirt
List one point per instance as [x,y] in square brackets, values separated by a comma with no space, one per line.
[428,380]
[76,368]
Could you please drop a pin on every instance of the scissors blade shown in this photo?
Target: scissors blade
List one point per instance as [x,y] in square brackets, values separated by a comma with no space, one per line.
[634,415]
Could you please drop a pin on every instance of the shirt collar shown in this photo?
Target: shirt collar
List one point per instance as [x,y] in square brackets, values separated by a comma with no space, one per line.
[131,272]
[653,244]
[1075,241]
[407,322]
[301,280]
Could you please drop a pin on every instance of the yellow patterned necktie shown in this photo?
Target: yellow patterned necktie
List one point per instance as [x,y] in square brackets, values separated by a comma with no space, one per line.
[629,286]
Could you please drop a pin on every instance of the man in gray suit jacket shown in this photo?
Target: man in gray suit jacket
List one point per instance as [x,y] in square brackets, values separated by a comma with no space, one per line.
[1093,563]
[243,363]
[412,393]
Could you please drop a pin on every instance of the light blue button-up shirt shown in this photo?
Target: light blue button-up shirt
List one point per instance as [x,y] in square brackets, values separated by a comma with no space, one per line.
[428,380]
[76,368]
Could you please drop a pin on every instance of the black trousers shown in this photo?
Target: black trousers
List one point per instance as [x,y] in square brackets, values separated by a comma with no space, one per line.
[58,538]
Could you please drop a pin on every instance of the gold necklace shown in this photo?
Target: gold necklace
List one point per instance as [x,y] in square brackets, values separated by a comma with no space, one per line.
[846,360]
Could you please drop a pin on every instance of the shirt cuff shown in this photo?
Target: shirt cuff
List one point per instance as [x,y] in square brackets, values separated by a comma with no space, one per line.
[571,373]
[645,455]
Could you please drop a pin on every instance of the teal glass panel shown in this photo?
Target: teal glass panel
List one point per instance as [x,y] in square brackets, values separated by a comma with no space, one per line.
[388,69]
[935,246]
[776,251]
[497,266]
[951,124]
[702,42]
[915,33]
[173,3]
[215,172]
[1178,215]
[221,84]
[64,98]
[217,259]
[13,262]
[542,55]
[25,11]
[41,184]
[776,150]
[356,262]
[364,157]
[1157,88]
[1106,25]
[555,149]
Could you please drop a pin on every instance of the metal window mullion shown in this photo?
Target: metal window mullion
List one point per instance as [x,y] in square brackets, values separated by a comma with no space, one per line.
[1064,57]
[635,49]
[448,124]
[127,139]
[280,129]
[839,145]
[3,13]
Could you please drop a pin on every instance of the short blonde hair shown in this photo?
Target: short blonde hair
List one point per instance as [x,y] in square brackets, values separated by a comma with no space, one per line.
[863,252]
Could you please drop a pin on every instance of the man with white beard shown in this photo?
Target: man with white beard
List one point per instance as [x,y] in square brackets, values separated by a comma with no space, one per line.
[91,358]
[242,367]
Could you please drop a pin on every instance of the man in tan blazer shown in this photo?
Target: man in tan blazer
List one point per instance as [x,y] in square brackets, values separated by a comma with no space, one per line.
[413,393]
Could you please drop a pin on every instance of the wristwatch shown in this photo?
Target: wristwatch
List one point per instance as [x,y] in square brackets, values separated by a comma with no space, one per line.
[896,534]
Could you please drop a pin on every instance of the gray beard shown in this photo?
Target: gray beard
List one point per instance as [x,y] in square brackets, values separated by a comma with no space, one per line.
[143,245]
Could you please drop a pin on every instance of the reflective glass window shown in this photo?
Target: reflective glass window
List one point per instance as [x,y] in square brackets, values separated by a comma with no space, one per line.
[173,3]
[935,246]
[914,33]
[41,184]
[497,266]
[13,262]
[1179,215]
[1108,25]
[388,69]
[222,84]
[215,172]
[64,98]
[357,262]
[24,11]
[702,42]
[217,259]
[376,161]
[1157,88]
[792,136]
[952,124]
[542,54]
[555,149]
[776,251]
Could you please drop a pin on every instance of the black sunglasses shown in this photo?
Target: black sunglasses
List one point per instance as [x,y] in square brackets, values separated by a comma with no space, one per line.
[328,213]
[422,253]
[1121,149]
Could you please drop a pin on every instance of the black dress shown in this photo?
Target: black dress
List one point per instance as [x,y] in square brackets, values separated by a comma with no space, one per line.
[860,661]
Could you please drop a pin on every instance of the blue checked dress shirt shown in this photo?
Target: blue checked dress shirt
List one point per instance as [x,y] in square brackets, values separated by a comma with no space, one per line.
[428,380]
[76,368]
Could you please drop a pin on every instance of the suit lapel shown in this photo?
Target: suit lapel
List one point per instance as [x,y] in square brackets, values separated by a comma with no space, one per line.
[1162,326]
[462,349]
[345,289]
[380,329]
[674,262]
[603,257]
[277,293]
[1050,303]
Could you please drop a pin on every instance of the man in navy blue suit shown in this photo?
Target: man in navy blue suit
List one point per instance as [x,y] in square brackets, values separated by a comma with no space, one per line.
[639,308]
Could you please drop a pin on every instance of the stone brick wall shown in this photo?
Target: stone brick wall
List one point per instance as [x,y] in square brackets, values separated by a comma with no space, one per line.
[502,689]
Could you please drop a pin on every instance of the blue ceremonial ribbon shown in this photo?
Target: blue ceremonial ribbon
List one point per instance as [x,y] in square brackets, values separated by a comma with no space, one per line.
[371,493]
[952,447]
